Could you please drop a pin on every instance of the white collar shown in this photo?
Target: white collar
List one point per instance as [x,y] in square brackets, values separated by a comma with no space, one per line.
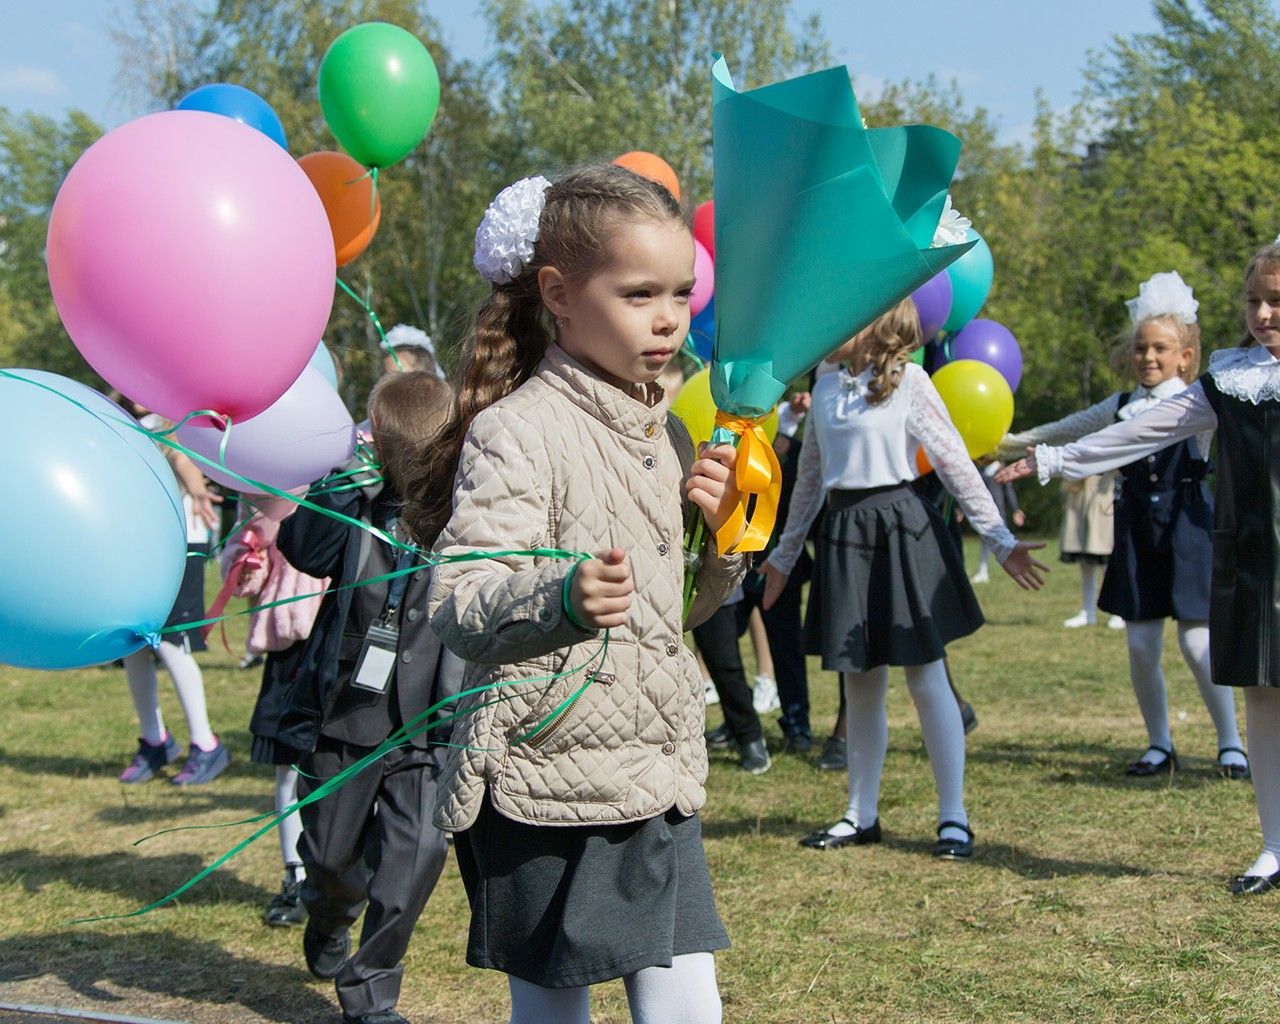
[1246,373]
[1165,389]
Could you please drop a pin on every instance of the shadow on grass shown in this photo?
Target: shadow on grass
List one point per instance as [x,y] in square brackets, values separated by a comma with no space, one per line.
[129,874]
[179,803]
[167,964]
[1093,764]
[999,855]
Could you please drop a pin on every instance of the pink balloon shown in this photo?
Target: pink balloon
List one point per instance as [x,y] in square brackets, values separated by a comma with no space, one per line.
[176,244]
[306,433]
[704,279]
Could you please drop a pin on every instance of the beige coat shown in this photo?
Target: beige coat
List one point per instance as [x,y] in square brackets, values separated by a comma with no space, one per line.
[570,462]
[1088,515]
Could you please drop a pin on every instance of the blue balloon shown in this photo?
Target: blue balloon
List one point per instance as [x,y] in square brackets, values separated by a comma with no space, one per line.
[93,538]
[702,328]
[239,104]
[971,276]
[322,361]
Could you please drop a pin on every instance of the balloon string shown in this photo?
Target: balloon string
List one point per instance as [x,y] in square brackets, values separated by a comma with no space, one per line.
[377,324]
[402,736]
[692,353]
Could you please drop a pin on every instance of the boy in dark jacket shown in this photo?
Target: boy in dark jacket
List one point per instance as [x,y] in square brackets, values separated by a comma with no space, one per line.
[372,664]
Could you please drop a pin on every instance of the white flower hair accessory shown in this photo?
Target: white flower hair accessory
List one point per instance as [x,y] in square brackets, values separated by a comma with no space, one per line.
[405,336]
[1164,294]
[953,229]
[505,238]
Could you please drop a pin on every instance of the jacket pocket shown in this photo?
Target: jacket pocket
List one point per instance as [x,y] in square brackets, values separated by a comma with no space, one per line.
[590,705]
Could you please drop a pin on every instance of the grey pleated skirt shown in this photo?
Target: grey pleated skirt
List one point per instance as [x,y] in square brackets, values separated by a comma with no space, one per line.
[888,587]
[567,906]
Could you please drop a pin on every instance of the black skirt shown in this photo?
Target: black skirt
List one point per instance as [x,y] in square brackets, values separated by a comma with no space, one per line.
[561,907]
[889,587]
[189,604]
[278,672]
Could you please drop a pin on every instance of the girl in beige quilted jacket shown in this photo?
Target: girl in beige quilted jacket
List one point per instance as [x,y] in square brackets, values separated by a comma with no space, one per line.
[575,781]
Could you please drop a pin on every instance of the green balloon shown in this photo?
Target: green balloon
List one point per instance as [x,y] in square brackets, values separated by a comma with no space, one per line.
[971,277]
[917,356]
[379,90]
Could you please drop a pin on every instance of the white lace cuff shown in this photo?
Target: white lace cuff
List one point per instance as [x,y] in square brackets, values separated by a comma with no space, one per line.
[1048,462]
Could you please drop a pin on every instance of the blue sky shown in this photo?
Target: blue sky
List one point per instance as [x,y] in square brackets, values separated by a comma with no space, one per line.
[58,54]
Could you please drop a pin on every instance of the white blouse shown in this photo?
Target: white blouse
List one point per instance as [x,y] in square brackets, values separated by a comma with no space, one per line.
[1250,374]
[852,444]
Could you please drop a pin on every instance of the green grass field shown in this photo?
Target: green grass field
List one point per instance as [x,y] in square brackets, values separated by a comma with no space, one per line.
[1092,897]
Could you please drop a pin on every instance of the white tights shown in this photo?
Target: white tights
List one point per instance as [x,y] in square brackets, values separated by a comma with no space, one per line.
[685,992]
[291,828]
[1146,643]
[868,741]
[1089,589]
[1262,714]
[140,671]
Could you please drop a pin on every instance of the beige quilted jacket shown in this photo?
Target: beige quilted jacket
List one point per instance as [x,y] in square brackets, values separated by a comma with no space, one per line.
[570,462]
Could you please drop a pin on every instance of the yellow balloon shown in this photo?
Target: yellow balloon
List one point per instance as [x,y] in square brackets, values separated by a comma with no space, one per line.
[980,403]
[695,409]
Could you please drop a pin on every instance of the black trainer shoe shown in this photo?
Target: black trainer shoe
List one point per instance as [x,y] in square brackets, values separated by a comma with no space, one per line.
[835,756]
[968,716]
[324,954]
[286,909]
[797,743]
[378,1017]
[755,757]
[720,738]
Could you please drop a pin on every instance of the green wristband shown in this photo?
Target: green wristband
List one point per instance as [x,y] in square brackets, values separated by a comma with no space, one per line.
[564,597]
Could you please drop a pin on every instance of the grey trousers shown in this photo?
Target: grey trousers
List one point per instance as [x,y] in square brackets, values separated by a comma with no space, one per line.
[370,842]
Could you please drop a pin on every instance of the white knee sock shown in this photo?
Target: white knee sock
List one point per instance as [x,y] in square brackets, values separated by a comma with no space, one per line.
[1146,642]
[291,828]
[189,683]
[1262,715]
[943,733]
[140,671]
[1193,638]
[984,561]
[533,1004]
[866,743]
[685,992]
[1089,588]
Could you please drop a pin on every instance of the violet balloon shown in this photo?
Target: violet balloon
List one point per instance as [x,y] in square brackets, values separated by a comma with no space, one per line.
[933,303]
[176,244]
[704,279]
[302,436]
[991,343]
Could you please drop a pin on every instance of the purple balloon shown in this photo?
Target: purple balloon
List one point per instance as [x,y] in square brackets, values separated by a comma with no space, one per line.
[933,303]
[990,343]
[295,441]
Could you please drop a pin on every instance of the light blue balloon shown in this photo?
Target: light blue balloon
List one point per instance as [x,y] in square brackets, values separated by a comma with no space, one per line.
[239,104]
[971,276]
[93,538]
[322,360]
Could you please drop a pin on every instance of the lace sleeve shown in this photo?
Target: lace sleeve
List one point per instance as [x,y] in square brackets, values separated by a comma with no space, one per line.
[806,500]
[1186,414]
[1063,431]
[929,423]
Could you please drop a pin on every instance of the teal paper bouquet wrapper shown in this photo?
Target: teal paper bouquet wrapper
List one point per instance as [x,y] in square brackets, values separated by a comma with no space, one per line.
[821,226]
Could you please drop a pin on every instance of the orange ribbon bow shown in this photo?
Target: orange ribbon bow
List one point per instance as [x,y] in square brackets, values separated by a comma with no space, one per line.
[757,472]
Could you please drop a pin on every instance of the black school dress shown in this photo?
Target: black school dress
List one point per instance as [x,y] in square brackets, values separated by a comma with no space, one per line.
[1162,563]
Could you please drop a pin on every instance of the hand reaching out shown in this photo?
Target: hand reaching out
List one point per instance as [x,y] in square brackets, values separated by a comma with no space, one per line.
[1024,569]
[1018,470]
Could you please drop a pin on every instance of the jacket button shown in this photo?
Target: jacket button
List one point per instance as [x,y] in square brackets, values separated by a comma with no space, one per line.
[650,462]
[1154,477]
[407,657]
[668,748]
[546,614]
[672,650]
[650,429]
[411,614]
[662,548]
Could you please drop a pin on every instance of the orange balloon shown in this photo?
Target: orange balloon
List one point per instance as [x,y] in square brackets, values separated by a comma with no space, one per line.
[345,188]
[651,166]
[923,465]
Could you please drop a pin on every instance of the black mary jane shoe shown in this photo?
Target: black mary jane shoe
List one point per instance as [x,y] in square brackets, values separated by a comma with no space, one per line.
[1165,766]
[824,840]
[1254,885]
[954,849]
[1234,771]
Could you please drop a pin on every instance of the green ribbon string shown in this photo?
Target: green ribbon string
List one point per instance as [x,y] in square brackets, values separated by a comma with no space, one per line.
[377,324]
[689,352]
[400,737]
